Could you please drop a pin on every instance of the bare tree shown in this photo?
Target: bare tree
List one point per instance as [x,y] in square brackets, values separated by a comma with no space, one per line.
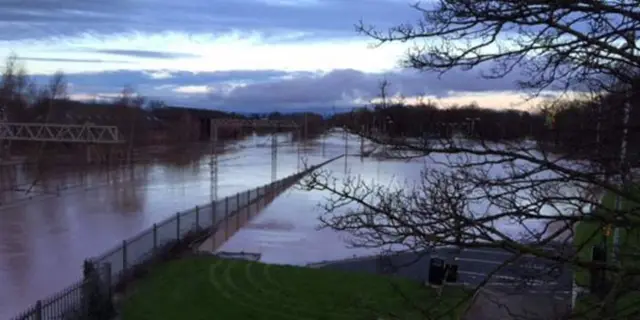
[54,91]
[127,109]
[15,87]
[512,195]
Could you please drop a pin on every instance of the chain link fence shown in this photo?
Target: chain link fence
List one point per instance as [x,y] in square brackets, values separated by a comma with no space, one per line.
[103,273]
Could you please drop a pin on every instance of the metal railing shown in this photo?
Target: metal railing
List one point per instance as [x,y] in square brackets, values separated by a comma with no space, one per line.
[146,245]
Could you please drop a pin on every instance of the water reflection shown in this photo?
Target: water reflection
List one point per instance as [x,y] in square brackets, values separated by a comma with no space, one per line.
[126,198]
[72,213]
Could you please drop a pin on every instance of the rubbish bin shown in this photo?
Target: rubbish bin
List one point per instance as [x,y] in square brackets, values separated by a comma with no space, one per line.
[598,276]
[452,273]
[436,271]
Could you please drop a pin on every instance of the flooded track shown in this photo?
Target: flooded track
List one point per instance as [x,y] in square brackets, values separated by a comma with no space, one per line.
[69,215]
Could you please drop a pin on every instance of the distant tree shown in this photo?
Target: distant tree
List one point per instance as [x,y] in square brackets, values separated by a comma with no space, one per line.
[15,91]
[472,188]
[157,104]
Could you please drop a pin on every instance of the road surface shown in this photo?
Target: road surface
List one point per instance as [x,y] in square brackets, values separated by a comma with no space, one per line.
[526,274]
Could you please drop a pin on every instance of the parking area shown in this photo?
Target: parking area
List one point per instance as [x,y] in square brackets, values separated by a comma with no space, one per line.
[525,274]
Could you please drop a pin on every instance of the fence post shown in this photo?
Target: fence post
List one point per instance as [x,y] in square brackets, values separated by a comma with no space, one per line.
[238,213]
[107,273]
[109,310]
[197,217]
[178,225]
[247,195]
[226,218]
[214,212]
[124,255]
[257,202]
[38,310]
[214,206]
[155,240]
[91,298]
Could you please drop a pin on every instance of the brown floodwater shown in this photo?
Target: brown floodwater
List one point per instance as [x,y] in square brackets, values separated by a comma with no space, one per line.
[51,221]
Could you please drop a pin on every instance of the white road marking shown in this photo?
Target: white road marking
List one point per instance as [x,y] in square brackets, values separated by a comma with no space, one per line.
[514,279]
[478,260]
[500,252]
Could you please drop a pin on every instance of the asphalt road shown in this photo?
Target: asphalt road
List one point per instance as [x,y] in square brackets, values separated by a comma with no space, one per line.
[528,274]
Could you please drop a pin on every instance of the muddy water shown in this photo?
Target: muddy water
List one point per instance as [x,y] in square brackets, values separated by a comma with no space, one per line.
[71,214]
[286,232]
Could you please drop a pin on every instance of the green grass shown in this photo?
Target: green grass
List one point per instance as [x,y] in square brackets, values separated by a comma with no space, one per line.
[626,307]
[590,233]
[212,288]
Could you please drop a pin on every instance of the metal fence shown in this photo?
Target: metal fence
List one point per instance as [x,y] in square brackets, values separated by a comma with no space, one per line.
[143,246]
[68,303]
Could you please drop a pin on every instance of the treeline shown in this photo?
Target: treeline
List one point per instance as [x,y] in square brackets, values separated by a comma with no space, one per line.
[581,128]
[310,125]
[140,121]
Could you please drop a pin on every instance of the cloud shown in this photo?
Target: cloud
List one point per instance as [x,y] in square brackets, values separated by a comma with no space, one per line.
[71,60]
[27,19]
[147,53]
[282,90]
[192,89]
[346,86]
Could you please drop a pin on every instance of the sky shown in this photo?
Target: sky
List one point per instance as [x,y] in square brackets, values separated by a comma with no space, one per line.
[250,55]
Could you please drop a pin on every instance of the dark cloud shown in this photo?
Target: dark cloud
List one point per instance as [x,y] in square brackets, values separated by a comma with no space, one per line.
[45,18]
[343,86]
[274,89]
[146,53]
[71,60]
[108,80]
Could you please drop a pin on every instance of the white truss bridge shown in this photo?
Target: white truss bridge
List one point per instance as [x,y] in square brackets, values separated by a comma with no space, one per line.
[51,132]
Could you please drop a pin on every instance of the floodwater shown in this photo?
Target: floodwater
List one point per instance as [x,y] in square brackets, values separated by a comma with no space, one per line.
[70,215]
[43,239]
[287,231]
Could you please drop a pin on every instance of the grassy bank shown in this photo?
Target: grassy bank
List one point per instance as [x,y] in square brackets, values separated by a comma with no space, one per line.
[208,287]
[591,233]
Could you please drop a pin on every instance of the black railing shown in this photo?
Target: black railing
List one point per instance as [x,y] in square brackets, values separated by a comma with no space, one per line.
[72,302]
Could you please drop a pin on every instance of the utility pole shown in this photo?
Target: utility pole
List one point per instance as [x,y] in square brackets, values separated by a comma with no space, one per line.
[324,142]
[213,138]
[255,123]
[362,141]
[299,147]
[630,39]
[346,148]
[306,128]
[274,156]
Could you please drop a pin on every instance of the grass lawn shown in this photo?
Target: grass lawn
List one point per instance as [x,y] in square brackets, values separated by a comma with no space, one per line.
[212,288]
[627,307]
[589,234]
